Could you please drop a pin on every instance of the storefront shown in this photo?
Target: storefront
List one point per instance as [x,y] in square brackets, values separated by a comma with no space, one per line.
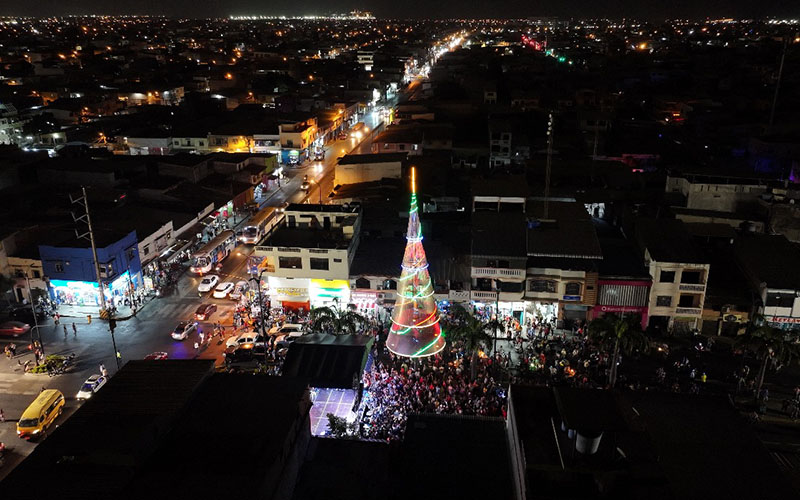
[518,311]
[542,312]
[289,293]
[85,293]
[371,304]
[784,322]
[601,311]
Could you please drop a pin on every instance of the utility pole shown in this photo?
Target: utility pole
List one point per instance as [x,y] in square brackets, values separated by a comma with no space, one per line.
[35,322]
[549,165]
[778,84]
[86,218]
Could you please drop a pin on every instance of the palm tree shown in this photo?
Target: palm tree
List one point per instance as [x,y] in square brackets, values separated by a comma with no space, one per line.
[770,346]
[619,334]
[470,330]
[337,320]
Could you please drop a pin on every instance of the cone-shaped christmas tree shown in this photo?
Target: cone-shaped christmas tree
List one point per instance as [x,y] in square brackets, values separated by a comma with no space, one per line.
[415,330]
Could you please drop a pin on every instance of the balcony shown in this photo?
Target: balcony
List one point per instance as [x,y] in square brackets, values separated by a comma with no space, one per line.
[684,287]
[458,295]
[498,273]
[482,296]
[689,311]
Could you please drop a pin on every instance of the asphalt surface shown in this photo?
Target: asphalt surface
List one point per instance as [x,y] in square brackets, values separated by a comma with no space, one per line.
[148,331]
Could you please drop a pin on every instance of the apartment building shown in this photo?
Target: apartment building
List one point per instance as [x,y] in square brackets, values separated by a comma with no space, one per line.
[307,257]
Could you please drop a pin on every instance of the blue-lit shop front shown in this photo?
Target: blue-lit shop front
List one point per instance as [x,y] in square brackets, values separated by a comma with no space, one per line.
[85,293]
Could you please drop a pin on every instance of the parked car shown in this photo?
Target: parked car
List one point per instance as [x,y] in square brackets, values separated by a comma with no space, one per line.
[288,328]
[14,328]
[244,356]
[240,289]
[157,356]
[204,311]
[25,315]
[92,385]
[223,290]
[207,284]
[182,331]
[244,338]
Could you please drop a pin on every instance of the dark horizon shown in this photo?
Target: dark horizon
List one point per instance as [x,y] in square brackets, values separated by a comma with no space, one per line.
[444,9]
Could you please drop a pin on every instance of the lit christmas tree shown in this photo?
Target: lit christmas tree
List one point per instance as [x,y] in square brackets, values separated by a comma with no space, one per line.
[415,330]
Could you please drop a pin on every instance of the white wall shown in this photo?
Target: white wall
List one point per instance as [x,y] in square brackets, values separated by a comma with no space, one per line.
[156,242]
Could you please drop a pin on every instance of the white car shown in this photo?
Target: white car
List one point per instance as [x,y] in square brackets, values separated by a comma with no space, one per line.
[245,338]
[92,385]
[223,290]
[241,288]
[293,329]
[182,331]
[208,283]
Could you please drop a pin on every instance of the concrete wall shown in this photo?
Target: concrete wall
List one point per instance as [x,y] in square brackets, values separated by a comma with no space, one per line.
[78,263]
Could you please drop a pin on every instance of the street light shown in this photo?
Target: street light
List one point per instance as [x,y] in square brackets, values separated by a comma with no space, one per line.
[35,322]
[261,312]
[319,188]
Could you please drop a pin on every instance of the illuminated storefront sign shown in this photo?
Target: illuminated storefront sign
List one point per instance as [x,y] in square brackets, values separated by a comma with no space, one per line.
[86,292]
[329,290]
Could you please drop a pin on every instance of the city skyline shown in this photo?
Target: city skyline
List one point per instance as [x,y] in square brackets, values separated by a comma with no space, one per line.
[447,9]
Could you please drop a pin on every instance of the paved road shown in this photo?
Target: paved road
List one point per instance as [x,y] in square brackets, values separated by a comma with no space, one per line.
[149,331]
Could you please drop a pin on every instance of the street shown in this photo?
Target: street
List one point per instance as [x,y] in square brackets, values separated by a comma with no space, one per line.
[149,331]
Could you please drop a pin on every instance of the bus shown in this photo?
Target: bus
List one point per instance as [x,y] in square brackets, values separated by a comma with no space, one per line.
[260,224]
[212,253]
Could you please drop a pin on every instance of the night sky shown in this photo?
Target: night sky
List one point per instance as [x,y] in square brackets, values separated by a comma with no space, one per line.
[652,9]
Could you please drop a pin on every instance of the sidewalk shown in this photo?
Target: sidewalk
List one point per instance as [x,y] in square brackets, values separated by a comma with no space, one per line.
[123,312]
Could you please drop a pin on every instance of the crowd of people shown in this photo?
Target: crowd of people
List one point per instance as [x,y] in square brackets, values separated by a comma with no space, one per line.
[397,386]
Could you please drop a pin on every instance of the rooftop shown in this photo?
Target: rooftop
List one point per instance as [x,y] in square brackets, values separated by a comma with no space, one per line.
[498,234]
[296,237]
[667,240]
[770,259]
[372,158]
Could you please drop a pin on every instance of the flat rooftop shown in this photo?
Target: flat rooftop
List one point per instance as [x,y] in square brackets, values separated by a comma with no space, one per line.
[372,158]
[307,238]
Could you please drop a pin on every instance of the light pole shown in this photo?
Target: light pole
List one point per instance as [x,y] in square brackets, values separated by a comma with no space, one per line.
[35,322]
[261,312]
[319,188]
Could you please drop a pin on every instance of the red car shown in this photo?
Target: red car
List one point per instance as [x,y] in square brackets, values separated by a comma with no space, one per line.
[14,328]
[204,311]
[156,356]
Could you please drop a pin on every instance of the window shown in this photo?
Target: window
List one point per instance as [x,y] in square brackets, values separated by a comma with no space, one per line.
[147,250]
[401,147]
[131,254]
[338,261]
[688,300]
[667,277]
[290,263]
[363,283]
[664,301]
[572,289]
[201,143]
[36,273]
[542,286]
[390,285]
[19,273]
[59,267]
[780,300]
[692,277]
[319,264]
